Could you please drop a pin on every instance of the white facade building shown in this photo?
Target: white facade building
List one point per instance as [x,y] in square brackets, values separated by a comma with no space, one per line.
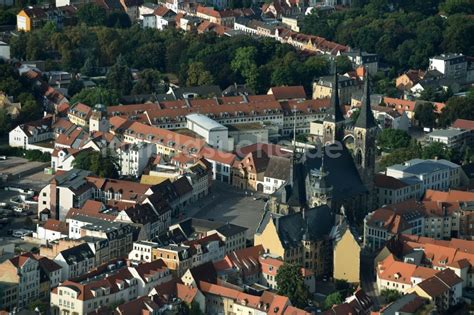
[451,65]
[142,251]
[134,157]
[149,20]
[4,50]
[452,138]
[24,136]
[75,261]
[213,132]
[434,174]
[276,174]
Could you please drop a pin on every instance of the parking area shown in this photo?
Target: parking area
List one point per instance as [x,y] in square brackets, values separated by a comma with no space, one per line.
[230,204]
[19,172]
[35,181]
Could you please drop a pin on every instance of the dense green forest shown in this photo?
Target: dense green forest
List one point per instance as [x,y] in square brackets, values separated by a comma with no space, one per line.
[193,59]
[405,33]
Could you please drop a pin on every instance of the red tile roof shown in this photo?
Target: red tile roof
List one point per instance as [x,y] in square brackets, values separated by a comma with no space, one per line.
[388,182]
[186,293]
[212,154]
[56,225]
[464,124]
[288,92]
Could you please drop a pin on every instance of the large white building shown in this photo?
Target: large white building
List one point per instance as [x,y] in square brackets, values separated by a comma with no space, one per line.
[65,191]
[390,190]
[20,281]
[133,158]
[215,134]
[26,135]
[434,174]
[75,261]
[450,65]
[276,174]
[453,138]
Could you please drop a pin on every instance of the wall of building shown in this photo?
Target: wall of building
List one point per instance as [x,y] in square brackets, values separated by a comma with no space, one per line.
[346,259]
[270,241]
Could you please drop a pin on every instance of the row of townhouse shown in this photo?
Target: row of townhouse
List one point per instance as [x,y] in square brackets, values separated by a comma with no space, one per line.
[200,288]
[436,216]
[441,288]
[25,278]
[279,109]
[108,285]
[191,243]
[72,189]
[435,270]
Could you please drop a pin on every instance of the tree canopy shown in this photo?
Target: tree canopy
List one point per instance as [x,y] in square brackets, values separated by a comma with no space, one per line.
[290,283]
[425,114]
[103,165]
[97,95]
[392,139]
[458,107]
[332,299]
[404,33]
[390,295]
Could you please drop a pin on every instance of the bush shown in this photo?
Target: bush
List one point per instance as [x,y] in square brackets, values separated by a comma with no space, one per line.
[390,295]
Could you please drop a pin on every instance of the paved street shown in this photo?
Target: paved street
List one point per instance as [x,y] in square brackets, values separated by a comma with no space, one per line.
[368,279]
[229,204]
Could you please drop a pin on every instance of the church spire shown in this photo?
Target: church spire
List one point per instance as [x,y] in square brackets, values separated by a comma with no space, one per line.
[335,113]
[366,118]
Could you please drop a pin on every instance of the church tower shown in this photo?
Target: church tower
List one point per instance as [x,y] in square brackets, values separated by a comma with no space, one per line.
[333,123]
[365,132]
[321,190]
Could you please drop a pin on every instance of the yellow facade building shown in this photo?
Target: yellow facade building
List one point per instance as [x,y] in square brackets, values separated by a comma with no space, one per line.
[299,238]
[346,256]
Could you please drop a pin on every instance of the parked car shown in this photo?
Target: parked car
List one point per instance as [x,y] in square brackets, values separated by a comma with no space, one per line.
[18,209]
[4,221]
[21,233]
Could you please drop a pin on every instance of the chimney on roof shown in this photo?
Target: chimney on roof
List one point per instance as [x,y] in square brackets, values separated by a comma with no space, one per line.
[186,101]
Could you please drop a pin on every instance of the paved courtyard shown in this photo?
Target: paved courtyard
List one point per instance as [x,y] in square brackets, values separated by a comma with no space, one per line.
[229,204]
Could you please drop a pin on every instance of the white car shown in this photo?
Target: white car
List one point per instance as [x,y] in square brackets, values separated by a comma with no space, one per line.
[21,233]
[18,209]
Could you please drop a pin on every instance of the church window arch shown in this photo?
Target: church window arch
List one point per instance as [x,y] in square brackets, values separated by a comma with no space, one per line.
[358,157]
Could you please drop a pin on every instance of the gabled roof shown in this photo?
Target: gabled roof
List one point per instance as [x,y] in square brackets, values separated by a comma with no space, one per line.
[246,260]
[77,254]
[80,110]
[464,124]
[279,168]
[440,283]
[138,306]
[142,214]
[56,225]
[20,260]
[205,272]
[288,92]
[147,269]
[47,264]
[389,182]
[291,228]
[186,293]
[222,157]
